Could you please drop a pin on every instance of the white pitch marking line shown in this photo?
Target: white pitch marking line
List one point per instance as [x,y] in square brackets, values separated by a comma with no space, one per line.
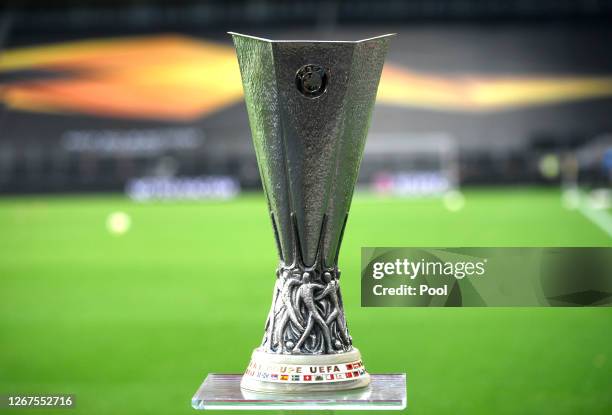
[601,218]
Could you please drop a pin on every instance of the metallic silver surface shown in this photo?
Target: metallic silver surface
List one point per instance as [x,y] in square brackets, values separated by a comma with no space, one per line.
[221,391]
[309,106]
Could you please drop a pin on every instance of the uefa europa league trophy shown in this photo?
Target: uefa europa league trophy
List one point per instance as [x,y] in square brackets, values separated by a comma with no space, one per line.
[309,106]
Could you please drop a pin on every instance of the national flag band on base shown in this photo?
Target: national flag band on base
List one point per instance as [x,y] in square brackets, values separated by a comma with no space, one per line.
[306,373]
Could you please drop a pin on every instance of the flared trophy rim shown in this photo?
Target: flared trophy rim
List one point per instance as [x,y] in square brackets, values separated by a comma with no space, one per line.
[263,39]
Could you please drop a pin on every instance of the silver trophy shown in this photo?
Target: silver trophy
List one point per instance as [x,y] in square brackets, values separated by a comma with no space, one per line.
[309,106]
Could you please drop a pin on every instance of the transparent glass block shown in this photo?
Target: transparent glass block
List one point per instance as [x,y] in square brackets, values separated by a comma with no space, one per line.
[222,391]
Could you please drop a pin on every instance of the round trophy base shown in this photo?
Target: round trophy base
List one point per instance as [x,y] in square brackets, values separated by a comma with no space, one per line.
[270,372]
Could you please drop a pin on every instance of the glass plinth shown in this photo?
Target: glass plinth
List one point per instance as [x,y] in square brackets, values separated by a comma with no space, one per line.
[222,391]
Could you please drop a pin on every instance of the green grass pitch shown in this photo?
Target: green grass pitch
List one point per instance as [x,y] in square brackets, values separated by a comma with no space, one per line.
[132,324]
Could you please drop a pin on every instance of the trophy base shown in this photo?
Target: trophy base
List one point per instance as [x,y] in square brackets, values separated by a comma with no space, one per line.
[223,391]
[287,373]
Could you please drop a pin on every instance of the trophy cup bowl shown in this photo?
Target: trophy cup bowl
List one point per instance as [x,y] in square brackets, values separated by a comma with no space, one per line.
[309,105]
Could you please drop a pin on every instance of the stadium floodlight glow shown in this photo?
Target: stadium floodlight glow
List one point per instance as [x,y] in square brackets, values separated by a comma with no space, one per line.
[309,105]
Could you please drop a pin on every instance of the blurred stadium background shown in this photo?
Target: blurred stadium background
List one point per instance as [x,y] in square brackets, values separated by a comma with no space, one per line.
[96,95]
[130,196]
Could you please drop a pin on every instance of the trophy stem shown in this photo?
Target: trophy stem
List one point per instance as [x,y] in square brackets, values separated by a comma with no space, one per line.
[307,314]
